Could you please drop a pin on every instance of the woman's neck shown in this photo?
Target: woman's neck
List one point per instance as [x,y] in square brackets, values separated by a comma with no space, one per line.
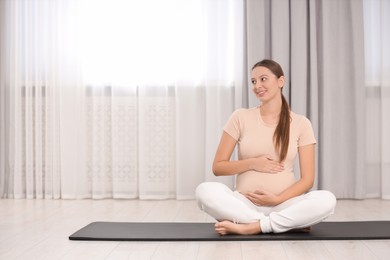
[271,109]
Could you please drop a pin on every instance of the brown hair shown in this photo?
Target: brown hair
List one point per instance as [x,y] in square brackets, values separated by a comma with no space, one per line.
[282,131]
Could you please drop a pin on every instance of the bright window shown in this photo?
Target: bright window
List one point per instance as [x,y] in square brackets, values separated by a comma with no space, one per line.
[153,42]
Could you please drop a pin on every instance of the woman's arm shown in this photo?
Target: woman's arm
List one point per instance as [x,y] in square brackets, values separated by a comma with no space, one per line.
[304,184]
[222,165]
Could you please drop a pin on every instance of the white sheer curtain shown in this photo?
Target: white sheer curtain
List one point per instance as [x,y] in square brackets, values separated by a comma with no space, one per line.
[127,99]
[115,99]
[377,55]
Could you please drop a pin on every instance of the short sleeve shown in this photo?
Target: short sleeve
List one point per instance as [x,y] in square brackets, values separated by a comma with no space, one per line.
[306,133]
[233,125]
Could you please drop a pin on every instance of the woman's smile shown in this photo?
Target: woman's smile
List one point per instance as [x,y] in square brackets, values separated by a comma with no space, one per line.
[260,93]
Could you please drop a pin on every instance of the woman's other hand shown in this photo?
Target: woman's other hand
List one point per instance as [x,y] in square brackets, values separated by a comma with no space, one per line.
[263,198]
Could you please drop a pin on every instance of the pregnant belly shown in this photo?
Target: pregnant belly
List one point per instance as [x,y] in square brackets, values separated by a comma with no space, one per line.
[272,182]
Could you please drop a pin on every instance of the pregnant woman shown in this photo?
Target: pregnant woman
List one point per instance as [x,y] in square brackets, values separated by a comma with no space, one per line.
[267,197]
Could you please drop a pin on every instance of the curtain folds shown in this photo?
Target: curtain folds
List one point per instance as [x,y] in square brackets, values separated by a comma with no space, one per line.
[124,101]
[377,81]
[342,99]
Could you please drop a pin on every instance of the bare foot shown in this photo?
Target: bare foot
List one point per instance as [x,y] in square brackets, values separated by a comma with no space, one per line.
[227,227]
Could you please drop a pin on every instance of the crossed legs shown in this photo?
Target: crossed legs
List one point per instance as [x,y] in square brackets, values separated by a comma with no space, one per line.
[236,214]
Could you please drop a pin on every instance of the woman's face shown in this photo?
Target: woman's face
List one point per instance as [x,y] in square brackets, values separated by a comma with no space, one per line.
[265,84]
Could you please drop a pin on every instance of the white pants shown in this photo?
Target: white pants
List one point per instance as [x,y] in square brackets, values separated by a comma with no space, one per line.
[220,202]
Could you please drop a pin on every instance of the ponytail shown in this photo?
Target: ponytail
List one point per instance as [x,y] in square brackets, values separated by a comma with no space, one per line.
[282,131]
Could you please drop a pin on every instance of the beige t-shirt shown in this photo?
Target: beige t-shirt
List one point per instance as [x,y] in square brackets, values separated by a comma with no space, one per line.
[255,138]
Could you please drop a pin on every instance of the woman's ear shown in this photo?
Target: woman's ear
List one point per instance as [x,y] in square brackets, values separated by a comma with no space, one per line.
[281,81]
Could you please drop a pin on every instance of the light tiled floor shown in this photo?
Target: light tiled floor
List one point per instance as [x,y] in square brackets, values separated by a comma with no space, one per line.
[39,229]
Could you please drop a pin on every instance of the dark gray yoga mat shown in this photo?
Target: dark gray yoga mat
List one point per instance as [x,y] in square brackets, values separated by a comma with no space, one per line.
[178,231]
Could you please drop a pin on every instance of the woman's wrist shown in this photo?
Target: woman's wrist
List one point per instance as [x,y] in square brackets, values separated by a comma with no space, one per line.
[251,164]
[278,199]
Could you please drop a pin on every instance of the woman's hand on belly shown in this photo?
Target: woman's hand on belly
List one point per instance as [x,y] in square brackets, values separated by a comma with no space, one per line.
[266,164]
[263,198]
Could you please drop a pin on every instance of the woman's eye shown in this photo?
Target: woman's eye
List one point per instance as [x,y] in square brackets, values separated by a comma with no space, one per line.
[253,82]
[263,79]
